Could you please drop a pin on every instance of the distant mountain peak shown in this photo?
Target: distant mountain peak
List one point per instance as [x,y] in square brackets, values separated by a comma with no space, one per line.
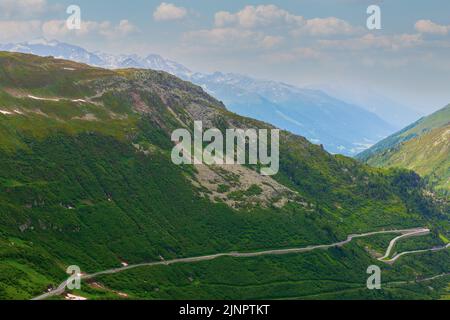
[341,127]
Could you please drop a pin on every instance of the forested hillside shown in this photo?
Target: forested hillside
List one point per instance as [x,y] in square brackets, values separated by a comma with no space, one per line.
[423,147]
[86,179]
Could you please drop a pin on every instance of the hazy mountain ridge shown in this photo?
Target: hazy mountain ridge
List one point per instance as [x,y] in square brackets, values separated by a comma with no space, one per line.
[423,146]
[393,112]
[42,47]
[339,126]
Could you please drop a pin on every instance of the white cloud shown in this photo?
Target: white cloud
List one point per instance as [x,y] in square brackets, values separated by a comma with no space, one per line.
[272,16]
[16,31]
[231,39]
[271,41]
[277,36]
[168,11]
[428,26]
[257,16]
[55,29]
[224,18]
[125,28]
[253,27]
[296,54]
[58,29]
[327,27]
[224,37]
[24,30]
[266,27]
[22,8]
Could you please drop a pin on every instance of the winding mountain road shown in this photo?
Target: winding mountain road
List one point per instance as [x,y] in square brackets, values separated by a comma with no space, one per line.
[405,233]
[418,232]
[396,257]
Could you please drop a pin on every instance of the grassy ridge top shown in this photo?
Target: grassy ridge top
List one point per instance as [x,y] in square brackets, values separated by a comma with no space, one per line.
[423,147]
[423,126]
[40,96]
[428,155]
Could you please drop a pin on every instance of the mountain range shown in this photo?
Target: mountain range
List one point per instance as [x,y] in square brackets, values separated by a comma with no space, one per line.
[341,127]
[87,180]
[396,114]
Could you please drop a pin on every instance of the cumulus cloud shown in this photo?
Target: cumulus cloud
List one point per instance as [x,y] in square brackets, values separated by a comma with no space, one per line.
[260,27]
[428,26]
[224,18]
[327,27]
[257,16]
[272,16]
[224,37]
[58,29]
[271,41]
[22,8]
[295,54]
[167,11]
[19,30]
[277,36]
[267,28]
[231,39]
[22,30]
[124,28]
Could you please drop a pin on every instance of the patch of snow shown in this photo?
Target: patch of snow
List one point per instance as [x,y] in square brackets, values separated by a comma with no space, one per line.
[44,99]
[74,297]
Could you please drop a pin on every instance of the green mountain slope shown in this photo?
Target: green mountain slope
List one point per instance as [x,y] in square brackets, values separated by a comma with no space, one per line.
[86,179]
[423,147]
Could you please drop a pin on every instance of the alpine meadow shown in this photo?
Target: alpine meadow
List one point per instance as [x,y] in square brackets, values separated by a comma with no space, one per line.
[189,153]
[87,180]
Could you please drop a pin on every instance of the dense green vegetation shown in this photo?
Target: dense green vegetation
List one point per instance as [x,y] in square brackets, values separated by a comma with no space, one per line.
[86,179]
[423,147]
[339,273]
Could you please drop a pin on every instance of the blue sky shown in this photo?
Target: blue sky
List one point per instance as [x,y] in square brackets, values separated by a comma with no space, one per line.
[301,42]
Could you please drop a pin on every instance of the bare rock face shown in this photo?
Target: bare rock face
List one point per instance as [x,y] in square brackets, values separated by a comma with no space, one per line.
[241,187]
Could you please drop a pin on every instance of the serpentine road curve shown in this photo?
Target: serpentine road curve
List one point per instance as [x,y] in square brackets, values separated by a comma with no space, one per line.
[405,233]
